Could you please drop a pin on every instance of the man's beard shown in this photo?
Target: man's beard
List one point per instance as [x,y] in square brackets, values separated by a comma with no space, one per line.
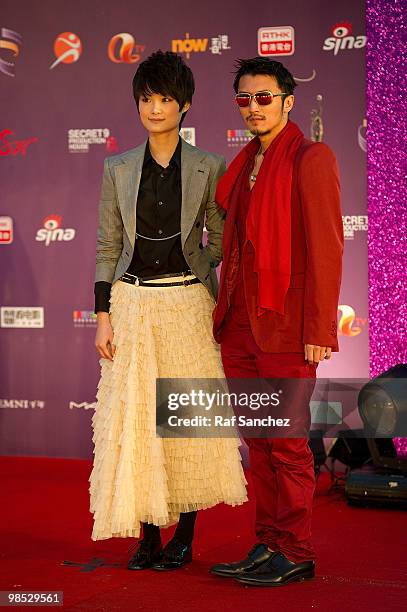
[259,131]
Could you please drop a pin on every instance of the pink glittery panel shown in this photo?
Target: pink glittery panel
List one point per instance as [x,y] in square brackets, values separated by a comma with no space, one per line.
[387,209]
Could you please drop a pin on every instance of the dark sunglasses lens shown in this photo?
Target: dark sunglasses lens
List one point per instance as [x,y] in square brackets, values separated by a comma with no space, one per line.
[263,99]
[243,100]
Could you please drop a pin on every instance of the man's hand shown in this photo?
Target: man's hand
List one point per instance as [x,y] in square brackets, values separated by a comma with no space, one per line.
[104,336]
[314,353]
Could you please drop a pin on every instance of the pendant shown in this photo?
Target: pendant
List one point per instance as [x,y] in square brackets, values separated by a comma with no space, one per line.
[253,177]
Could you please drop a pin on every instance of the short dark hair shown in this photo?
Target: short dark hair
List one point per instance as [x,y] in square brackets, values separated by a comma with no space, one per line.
[264,65]
[164,73]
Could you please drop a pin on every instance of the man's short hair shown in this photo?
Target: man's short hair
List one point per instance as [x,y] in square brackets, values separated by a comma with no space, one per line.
[264,65]
[167,74]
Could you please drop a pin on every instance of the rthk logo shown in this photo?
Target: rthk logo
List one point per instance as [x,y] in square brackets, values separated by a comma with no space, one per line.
[276,41]
[6,230]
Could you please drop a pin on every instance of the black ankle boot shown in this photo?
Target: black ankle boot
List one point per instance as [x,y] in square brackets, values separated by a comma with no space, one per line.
[175,555]
[147,553]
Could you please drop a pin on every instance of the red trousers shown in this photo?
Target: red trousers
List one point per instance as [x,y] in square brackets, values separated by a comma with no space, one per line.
[282,469]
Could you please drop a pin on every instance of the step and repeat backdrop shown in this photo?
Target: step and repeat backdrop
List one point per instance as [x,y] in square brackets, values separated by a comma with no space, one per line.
[66,104]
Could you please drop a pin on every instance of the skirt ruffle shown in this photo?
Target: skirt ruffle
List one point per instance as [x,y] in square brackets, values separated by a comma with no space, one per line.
[138,477]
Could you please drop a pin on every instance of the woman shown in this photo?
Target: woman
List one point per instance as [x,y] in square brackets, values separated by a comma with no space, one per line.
[161,283]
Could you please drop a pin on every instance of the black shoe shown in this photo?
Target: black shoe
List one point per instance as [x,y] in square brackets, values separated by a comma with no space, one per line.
[175,555]
[148,552]
[278,571]
[258,555]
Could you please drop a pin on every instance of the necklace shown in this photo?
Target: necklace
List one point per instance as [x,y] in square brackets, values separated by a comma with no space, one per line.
[254,176]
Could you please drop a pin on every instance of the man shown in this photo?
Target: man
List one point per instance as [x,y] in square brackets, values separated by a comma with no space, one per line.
[155,289]
[277,306]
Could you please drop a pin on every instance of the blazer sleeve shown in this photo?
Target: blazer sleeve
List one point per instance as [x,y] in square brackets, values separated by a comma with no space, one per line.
[109,244]
[215,218]
[320,201]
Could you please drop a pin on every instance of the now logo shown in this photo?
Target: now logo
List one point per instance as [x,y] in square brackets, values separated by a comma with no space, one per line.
[189,45]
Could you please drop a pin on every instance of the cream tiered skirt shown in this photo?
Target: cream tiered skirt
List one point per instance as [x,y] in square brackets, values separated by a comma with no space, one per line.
[137,476]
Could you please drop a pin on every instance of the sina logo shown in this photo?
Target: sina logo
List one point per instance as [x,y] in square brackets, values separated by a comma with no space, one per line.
[53,231]
[342,39]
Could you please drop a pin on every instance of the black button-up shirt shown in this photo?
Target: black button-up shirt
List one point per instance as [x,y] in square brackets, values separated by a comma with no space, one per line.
[158,216]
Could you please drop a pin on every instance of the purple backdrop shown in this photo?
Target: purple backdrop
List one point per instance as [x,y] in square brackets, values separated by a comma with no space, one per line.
[60,118]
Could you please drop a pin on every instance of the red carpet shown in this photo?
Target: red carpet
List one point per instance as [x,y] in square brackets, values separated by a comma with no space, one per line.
[45,520]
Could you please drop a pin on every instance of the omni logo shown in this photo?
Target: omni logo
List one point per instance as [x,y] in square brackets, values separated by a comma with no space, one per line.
[341,39]
[52,231]
[21,403]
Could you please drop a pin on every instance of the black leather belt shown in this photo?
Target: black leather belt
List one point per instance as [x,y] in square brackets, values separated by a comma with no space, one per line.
[140,282]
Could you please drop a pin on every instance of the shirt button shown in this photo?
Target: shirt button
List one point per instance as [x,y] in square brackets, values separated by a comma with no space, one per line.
[162,175]
[157,261]
[160,203]
[160,231]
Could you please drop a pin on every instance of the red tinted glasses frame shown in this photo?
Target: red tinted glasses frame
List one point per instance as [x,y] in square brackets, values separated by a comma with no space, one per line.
[263,98]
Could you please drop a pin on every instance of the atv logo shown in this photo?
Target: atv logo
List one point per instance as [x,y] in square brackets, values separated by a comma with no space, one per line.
[342,39]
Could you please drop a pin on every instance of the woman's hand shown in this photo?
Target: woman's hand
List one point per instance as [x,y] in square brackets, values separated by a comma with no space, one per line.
[104,336]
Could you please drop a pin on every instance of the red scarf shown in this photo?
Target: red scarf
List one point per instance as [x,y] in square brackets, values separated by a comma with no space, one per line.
[268,225]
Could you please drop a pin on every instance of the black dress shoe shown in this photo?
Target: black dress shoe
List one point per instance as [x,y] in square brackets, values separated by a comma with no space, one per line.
[175,555]
[278,571]
[258,555]
[147,553]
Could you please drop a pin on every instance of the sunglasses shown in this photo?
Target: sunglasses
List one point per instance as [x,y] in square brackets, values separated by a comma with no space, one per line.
[263,98]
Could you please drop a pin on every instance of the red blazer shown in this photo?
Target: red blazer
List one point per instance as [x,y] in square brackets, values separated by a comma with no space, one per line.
[316,261]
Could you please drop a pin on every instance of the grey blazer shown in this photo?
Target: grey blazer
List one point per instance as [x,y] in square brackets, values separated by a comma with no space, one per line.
[200,172]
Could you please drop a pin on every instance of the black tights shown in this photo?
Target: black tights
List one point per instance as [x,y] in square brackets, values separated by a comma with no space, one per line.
[184,531]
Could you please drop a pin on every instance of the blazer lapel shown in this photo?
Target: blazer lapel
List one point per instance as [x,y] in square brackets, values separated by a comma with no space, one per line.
[194,176]
[128,175]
